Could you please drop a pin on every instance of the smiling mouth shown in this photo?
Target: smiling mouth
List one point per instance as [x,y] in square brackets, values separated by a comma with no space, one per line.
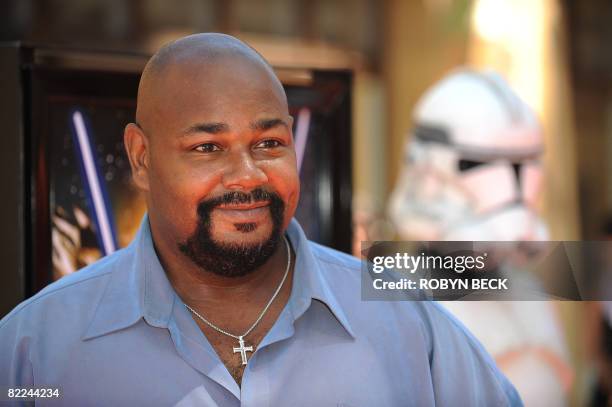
[244,213]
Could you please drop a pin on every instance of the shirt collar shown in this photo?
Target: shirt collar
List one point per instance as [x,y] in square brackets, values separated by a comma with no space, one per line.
[309,280]
[139,288]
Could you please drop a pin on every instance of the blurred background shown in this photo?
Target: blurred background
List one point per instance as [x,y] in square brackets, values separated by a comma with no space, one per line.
[381,55]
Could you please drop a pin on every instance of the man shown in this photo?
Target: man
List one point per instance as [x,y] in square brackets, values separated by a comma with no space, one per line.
[221,299]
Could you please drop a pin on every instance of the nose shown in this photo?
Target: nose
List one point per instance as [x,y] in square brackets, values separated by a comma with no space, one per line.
[243,172]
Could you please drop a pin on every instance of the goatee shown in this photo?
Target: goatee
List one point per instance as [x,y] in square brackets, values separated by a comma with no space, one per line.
[232,259]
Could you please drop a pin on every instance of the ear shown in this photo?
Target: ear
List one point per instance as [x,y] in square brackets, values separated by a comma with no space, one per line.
[137,148]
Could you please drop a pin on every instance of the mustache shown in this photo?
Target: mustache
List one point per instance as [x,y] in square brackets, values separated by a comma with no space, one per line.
[238,197]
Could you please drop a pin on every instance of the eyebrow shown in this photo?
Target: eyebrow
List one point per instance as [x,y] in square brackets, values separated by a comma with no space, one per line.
[211,128]
[267,124]
[219,127]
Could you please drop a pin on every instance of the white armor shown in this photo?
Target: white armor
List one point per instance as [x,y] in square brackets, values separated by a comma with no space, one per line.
[472,172]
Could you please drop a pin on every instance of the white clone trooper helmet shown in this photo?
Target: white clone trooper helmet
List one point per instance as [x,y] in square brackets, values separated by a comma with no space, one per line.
[472,167]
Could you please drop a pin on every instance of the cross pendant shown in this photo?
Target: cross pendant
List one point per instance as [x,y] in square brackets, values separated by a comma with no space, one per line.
[243,350]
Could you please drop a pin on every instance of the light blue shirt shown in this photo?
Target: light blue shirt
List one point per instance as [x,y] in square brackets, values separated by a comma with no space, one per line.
[117,334]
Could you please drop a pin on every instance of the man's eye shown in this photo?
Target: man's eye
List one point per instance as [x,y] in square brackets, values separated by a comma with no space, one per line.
[268,144]
[207,148]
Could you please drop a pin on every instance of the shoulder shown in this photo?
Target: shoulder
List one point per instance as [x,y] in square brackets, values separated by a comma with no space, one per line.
[73,293]
[451,350]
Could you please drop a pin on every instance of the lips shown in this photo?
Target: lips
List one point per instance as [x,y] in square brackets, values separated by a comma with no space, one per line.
[252,212]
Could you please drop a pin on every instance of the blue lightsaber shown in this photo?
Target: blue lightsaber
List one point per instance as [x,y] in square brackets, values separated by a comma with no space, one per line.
[95,187]
[302,127]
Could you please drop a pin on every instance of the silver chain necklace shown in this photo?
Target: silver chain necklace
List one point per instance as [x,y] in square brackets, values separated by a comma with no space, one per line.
[242,349]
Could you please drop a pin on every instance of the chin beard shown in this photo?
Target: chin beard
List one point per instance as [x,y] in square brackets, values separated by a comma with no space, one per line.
[230,259]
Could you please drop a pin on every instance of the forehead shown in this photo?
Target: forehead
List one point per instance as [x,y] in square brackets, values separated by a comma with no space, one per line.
[230,89]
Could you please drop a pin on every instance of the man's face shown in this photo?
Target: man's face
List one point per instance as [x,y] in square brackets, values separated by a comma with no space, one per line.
[222,172]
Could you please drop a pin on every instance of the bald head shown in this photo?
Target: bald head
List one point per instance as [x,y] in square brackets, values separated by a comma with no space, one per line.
[199,59]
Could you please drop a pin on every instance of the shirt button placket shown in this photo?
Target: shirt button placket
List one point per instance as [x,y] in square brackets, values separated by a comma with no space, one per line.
[255,389]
